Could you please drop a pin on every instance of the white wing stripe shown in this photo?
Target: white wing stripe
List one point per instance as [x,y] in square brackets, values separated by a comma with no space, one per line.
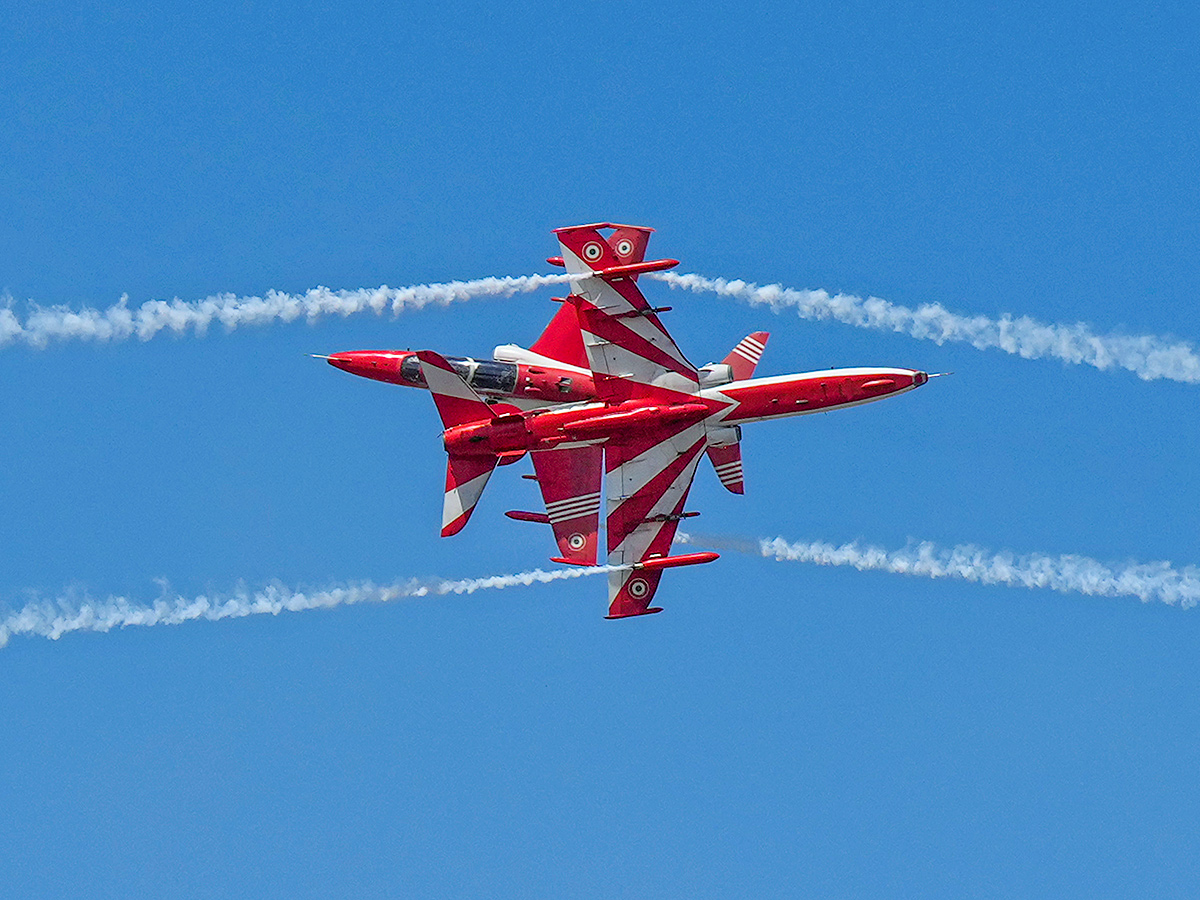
[575,512]
[567,517]
[584,500]
[569,514]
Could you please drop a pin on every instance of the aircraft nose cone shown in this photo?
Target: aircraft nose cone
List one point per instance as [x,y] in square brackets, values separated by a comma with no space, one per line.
[381,365]
[919,378]
[348,362]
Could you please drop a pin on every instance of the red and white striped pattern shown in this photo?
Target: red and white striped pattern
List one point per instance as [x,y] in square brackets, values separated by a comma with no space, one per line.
[743,359]
[569,478]
[728,463]
[730,473]
[750,349]
[621,336]
[647,484]
[573,507]
[466,477]
[456,403]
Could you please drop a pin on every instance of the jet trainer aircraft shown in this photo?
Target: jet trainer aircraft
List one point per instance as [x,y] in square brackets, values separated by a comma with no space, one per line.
[635,412]
[552,371]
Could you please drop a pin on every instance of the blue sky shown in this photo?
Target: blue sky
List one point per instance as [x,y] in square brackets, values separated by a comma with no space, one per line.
[782,729]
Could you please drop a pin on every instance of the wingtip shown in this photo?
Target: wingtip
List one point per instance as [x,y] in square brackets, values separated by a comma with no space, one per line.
[649,611]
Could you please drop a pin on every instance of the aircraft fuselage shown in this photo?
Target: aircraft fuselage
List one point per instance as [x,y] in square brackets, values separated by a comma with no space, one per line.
[517,382]
[736,403]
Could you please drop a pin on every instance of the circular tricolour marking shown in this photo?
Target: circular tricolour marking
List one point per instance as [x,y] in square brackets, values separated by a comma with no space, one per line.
[576,541]
[624,247]
[638,588]
[592,251]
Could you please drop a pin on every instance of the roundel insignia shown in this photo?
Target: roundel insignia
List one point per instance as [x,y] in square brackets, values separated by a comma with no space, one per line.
[638,588]
[576,541]
[624,247]
[592,251]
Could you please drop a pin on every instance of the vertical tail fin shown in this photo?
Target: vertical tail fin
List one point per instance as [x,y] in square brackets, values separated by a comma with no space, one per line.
[745,356]
[562,339]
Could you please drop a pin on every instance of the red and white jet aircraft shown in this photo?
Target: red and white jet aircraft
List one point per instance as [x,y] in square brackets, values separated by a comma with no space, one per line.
[555,369]
[649,417]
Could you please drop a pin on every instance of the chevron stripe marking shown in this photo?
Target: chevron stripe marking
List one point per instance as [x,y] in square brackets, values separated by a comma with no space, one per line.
[624,519]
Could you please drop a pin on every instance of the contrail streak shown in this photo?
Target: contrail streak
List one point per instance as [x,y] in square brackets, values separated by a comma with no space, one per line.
[54,618]
[120,322]
[1148,356]
[1066,574]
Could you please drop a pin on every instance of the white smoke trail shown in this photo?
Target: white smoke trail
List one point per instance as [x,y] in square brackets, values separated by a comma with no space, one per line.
[54,618]
[1148,356]
[1066,574]
[120,322]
